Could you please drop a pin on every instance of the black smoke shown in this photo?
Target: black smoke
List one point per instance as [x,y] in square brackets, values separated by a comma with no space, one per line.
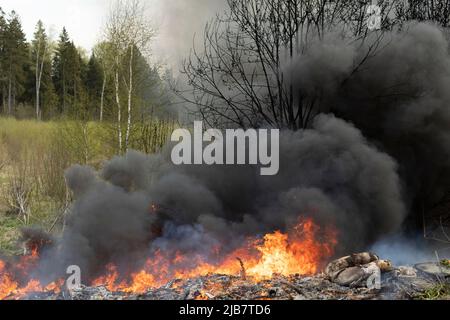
[395,89]
[363,169]
[329,173]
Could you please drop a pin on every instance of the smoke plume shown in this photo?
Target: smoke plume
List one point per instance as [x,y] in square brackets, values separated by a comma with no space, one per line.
[329,173]
[395,90]
[178,22]
[360,170]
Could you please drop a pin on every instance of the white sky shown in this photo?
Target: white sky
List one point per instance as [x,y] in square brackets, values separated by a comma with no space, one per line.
[176,20]
[83,19]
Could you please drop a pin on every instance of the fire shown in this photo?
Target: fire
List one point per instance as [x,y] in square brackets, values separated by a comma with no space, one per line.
[10,287]
[301,251]
[281,255]
[141,282]
[109,280]
[7,285]
[202,296]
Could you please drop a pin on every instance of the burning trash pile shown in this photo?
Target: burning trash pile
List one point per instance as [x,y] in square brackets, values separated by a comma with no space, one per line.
[353,277]
[143,228]
[301,252]
[278,266]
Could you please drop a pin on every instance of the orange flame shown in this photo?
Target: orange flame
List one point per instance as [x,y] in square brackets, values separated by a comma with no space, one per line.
[7,285]
[302,251]
[10,287]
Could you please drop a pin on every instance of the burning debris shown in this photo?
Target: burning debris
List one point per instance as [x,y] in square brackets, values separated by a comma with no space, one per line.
[143,228]
[142,221]
[278,266]
[399,283]
[35,240]
[355,270]
[299,252]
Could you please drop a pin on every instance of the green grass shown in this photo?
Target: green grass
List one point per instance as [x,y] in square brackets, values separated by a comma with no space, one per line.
[438,292]
[9,234]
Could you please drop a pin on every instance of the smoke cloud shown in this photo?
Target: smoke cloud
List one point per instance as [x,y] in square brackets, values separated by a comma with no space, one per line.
[329,173]
[178,22]
[403,251]
[360,170]
[398,97]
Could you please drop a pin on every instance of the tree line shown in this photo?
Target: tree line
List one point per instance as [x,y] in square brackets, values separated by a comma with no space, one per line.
[57,78]
[60,106]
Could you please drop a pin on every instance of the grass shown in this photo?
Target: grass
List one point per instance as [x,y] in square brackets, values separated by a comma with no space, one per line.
[438,292]
[24,145]
[38,153]
[9,233]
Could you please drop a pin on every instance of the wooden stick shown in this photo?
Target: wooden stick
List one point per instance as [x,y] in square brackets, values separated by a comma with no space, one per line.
[243,273]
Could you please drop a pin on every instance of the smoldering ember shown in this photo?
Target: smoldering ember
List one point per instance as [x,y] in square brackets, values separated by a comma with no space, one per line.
[338,188]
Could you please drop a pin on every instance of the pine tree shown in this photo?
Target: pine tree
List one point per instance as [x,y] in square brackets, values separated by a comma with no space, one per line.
[60,70]
[69,75]
[49,98]
[17,60]
[80,108]
[3,75]
[94,83]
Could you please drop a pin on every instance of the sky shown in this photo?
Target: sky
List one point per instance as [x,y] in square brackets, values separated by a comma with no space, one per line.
[83,19]
[177,21]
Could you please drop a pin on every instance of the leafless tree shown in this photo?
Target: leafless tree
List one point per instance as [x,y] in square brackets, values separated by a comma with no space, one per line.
[19,192]
[237,77]
[424,10]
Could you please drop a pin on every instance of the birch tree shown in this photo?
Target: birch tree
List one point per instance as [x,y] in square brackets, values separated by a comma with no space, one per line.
[16,57]
[40,55]
[105,55]
[127,30]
